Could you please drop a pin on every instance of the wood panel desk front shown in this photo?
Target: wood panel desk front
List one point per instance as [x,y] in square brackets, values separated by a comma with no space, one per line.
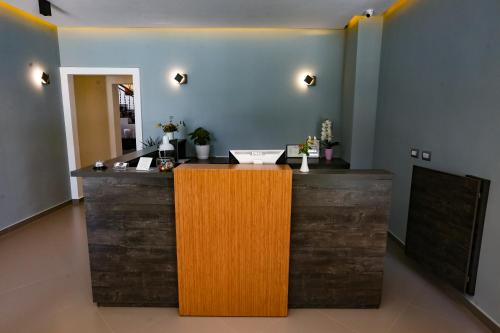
[233,239]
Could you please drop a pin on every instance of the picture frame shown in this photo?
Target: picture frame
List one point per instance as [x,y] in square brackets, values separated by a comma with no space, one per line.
[292,151]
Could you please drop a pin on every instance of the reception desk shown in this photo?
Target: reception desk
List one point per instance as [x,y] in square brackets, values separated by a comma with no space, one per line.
[338,230]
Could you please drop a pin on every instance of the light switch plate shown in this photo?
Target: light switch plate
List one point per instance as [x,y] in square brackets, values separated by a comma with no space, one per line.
[415,153]
[426,155]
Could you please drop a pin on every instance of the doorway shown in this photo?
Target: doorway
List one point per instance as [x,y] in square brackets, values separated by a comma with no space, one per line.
[105,116]
[102,115]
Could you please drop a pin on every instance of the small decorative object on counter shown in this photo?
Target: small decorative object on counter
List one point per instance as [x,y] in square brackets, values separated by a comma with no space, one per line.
[304,150]
[327,139]
[292,151]
[314,147]
[120,166]
[99,165]
[201,138]
[165,164]
[144,163]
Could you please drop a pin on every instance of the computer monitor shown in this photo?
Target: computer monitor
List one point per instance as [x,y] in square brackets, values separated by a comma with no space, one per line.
[257,156]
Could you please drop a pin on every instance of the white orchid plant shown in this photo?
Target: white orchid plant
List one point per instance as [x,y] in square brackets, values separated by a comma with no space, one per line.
[327,136]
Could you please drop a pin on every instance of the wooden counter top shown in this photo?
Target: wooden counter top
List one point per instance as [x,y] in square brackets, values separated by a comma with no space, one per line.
[131,172]
[316,165]
[236,167]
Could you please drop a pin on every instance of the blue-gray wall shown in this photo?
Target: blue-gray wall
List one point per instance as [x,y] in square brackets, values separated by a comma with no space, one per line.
[242,83]
[348,89]
[360,90]
[33,167]
[439,90]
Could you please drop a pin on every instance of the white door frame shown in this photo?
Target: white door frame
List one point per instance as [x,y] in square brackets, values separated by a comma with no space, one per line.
[68,100]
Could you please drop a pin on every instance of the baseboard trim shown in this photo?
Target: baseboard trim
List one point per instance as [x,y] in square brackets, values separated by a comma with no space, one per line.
[462,298]
[32,218]
[77,201]
[395,238]
[491,323]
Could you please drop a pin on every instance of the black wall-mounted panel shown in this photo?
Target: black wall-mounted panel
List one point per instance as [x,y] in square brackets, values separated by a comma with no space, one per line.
[445,223]
[478,234]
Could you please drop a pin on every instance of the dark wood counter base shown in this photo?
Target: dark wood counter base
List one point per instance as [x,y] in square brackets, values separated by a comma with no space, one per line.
[338,238]
[131,235]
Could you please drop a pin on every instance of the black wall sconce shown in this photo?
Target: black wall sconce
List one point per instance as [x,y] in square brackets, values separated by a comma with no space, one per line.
[310,80]
[45,79]
[181,78]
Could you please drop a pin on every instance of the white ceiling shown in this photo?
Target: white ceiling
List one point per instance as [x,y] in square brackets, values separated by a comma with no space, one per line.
[205,13]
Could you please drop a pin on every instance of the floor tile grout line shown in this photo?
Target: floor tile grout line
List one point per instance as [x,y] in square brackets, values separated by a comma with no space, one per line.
[108,326]
[398,316]
[268,327]
[152,324]
[263,330]
[450,318]
[338,322]
[227,325]
[30,284]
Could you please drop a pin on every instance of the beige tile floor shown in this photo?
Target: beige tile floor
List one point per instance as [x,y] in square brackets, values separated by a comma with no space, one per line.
[45,288]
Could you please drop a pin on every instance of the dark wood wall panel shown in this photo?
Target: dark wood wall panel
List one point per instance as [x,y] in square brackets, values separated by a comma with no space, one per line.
[443,223]
[131,234]
[338,239]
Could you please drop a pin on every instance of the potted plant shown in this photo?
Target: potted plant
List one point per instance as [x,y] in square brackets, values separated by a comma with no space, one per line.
[201,139]
[150,142]
[327,139]
[304,150]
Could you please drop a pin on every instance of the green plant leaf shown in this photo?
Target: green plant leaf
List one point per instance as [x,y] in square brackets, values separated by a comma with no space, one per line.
[200,136]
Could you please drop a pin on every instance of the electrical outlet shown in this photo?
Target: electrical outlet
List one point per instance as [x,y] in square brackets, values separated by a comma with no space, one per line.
[415,153]
[426,155]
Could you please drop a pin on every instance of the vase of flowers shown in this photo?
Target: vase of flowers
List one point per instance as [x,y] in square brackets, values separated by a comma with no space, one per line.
[201,139]
[167,137]
[327,139]
[304,150]
[169,129]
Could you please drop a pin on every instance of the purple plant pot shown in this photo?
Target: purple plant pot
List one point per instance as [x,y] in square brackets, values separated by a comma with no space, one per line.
[329,154]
